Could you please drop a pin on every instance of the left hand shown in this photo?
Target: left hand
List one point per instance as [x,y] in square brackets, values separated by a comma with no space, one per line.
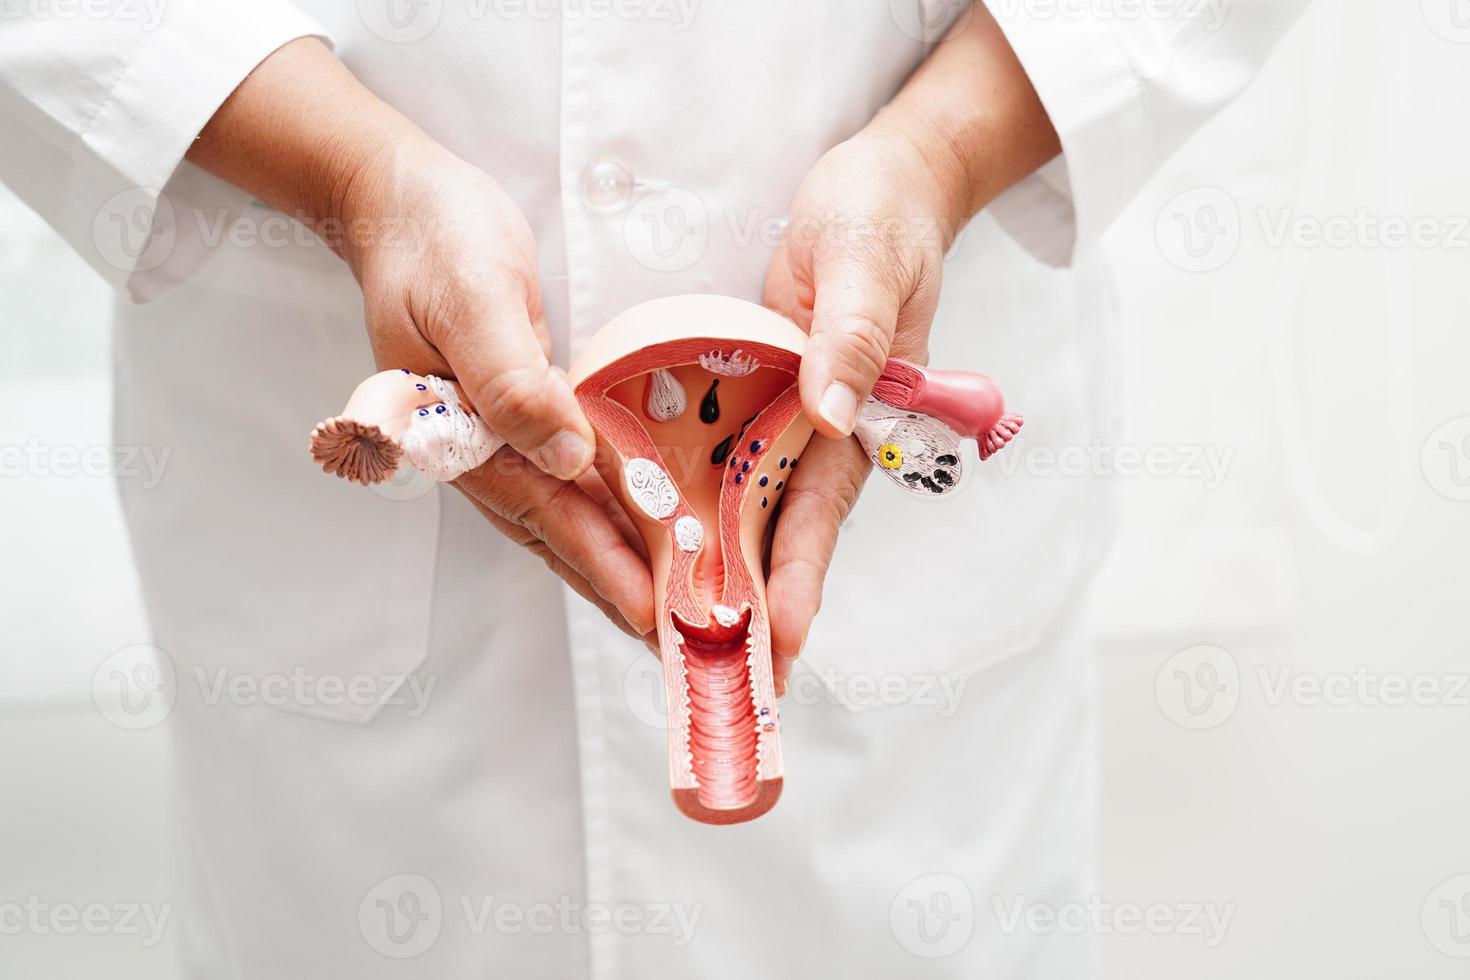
[860,270]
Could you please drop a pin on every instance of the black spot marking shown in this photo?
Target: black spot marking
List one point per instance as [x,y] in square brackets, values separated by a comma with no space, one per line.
[709,409]
[944,477]
[717,458]
[947,460]
[930,485]
[912,477]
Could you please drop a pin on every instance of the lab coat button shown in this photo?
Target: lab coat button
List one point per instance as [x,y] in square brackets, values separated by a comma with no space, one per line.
[606,185]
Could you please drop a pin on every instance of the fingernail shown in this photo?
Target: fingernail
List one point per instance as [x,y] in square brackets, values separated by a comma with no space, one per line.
[564,455]
[644,628]
[839,406]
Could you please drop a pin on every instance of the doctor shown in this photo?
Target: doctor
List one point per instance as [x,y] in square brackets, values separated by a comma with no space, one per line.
[459,767]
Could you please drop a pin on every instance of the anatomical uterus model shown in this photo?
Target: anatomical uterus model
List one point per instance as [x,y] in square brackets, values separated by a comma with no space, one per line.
[695,404]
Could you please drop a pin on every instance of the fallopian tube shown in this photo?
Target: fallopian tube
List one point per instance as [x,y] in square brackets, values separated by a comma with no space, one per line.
[695,404]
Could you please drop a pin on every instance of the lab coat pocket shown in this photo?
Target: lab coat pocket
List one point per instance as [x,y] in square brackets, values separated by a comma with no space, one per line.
[268,583]
[923,593]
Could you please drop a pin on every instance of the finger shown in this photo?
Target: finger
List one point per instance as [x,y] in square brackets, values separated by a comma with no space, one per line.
[854,317]
[818,499]
[498,358]
[782,292]
[572,525]
[539,548]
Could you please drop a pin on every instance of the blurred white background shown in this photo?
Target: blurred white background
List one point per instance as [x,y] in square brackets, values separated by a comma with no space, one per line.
[1285,704]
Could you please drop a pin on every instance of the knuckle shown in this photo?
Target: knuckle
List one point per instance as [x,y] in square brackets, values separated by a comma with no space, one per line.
[537,516]
[865,344]
[513,397]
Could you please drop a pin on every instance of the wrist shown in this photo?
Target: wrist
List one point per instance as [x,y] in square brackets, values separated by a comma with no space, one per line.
[943,176]
[303,135]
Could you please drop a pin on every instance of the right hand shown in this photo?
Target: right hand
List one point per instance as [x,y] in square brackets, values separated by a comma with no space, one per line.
[455,292]
[449,283]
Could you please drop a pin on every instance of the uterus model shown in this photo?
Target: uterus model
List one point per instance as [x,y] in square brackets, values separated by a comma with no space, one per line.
[700,428]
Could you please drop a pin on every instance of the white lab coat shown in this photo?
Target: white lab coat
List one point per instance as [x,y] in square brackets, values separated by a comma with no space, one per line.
[493,798]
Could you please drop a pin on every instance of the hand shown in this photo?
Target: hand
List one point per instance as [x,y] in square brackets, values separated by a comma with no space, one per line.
[450,287]
[460,297]
[861,267]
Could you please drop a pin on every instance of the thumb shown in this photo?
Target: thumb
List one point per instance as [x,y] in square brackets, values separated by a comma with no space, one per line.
[499,360]
[853,322]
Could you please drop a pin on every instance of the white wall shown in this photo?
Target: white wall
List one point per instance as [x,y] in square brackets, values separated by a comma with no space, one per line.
[1331,543]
